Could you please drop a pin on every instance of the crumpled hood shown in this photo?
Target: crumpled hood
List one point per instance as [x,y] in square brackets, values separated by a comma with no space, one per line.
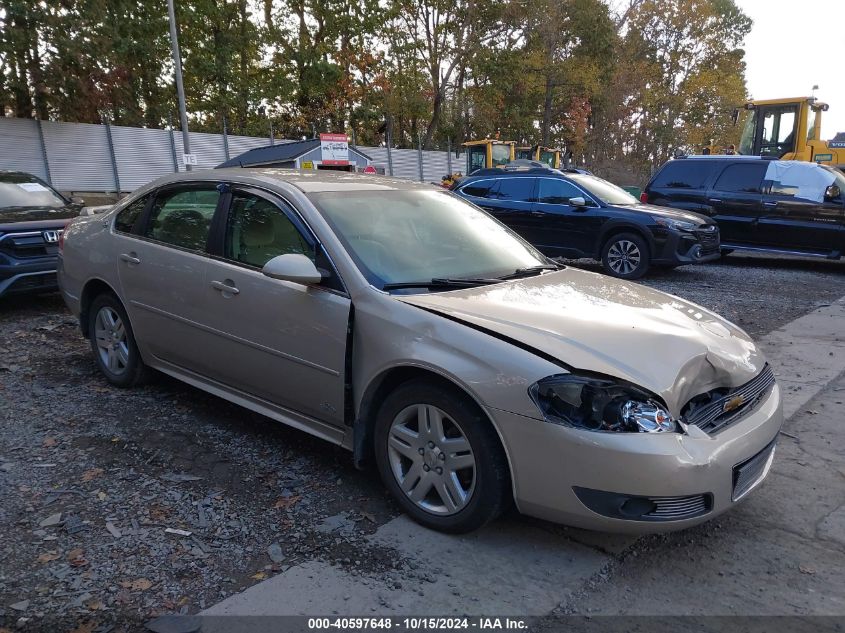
[596,323]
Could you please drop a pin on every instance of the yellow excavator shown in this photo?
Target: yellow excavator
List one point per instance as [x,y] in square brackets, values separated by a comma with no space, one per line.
[484,155]
[784,129]
[549,156]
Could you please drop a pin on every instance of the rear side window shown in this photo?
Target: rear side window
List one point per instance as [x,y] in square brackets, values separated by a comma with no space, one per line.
[479,188]
[515,189]
[183,218]
[742,178]
[557,191]
[125,220]
[685,174]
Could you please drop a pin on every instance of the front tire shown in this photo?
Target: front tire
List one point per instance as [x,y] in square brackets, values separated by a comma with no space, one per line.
[440,458]
[113,342]
[625,256]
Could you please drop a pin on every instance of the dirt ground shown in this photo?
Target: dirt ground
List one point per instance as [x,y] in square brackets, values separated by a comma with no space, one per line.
[132,503]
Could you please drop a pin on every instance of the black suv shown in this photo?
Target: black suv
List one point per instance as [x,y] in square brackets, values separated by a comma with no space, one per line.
[574,214]
[760,204]
[32,218]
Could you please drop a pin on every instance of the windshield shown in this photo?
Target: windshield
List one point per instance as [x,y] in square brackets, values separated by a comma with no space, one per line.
[501,154]
[746,141]
[419,235]
[22,190]
[605,191]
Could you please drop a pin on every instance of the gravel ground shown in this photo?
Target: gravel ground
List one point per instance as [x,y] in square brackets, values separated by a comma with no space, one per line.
[93,477]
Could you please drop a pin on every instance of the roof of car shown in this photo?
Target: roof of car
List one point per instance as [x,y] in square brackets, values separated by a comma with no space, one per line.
[306,180]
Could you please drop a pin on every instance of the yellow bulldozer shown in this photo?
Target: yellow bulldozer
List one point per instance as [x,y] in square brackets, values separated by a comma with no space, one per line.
[785,129]
[549,156]
[484,155]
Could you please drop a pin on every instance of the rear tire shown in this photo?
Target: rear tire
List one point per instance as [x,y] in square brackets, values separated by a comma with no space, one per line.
[113,342]
[440,458]
[625,256]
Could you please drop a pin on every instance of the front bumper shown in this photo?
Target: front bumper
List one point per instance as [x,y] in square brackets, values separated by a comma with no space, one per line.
[27,276]
[686,247]
[549,462]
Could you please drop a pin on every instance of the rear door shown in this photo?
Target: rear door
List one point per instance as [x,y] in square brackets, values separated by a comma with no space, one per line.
[682,184]
[162,260]
[560,228]
[736,201]
[282,342]
[511,201]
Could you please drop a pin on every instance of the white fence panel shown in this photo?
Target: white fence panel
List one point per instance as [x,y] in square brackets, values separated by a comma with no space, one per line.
[20,147]
[79,156]
[142,155]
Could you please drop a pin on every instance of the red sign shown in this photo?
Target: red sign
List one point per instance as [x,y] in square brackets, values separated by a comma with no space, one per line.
[369,169]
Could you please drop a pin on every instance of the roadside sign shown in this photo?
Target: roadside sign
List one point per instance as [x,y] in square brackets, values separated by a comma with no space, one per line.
[307,164]
[189,159]
[369,169]
[334,149]
[820,158]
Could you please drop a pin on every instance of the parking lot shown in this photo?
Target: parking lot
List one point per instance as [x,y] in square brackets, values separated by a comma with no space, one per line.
[128,504]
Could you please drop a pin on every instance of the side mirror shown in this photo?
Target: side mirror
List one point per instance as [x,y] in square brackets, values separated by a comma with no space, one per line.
[293,267]
[833,192]
[577,202]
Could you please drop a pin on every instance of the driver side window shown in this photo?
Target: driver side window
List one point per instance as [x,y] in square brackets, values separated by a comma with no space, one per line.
[258,230]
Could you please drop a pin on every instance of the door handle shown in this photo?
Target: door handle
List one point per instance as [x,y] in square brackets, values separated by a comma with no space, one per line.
[716,200]
[770,204]
[224,287]
[129,258]
[538,214]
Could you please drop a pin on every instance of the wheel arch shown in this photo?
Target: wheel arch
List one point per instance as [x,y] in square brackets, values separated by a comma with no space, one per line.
[617,228]
[93,288]
[387,381]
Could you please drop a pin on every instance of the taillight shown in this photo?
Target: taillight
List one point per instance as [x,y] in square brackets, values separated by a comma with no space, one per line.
[644,197]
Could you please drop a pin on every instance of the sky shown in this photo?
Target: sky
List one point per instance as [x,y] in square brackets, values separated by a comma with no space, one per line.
[794,46]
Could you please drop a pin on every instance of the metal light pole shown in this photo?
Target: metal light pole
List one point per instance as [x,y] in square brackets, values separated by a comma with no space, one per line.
[180,89]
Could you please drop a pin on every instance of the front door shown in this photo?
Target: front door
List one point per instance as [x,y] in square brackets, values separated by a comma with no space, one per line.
[162,270]
[280,341]
[561,229]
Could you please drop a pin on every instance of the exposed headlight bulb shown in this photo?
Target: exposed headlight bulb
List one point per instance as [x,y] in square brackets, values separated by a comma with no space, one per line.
[648,417]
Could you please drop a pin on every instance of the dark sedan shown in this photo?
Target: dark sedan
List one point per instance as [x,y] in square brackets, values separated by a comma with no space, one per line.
[33,216]
[577,215]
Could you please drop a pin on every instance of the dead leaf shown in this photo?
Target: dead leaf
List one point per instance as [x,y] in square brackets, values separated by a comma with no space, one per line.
[49,442]
[806,569]
[101,495]
[85,627]
[286,502]
[46,557]
[76,557]
[259,576]
[139,584]
[94,604]
[91,474]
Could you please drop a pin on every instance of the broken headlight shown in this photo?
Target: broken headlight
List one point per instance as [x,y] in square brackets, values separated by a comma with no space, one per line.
[597,404]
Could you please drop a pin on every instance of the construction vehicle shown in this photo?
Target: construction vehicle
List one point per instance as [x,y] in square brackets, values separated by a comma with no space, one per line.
[547,155]
[783,129]
[484,154]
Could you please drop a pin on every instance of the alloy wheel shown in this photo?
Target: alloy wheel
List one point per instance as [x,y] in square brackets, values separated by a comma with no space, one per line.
[112,341]
[624,257]
[431,459]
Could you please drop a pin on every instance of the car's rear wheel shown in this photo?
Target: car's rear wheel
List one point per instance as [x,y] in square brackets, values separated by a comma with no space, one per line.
[440,458]
[625,256]
[113,342]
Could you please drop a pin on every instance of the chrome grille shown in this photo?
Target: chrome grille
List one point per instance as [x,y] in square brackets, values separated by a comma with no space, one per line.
[28,244]
[674,508]
[752,471]
[712,416]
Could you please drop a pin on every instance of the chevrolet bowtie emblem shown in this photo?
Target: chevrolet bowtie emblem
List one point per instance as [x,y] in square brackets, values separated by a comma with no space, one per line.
[734,403]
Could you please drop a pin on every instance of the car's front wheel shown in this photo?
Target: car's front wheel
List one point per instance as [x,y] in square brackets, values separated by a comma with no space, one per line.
[440,458]
[625,256]
[113,342]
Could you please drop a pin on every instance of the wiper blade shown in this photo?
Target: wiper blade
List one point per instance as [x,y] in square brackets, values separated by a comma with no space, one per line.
[440,282]
[531,271]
